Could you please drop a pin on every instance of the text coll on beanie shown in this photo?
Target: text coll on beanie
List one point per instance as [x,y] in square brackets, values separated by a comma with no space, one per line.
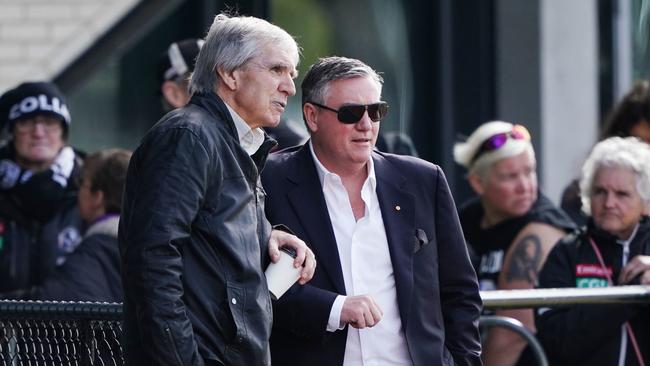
[40,103]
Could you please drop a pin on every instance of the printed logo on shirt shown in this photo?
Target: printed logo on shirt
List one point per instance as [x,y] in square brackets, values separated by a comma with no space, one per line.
[487,285]
[591,276]
[491,262]
[69,239]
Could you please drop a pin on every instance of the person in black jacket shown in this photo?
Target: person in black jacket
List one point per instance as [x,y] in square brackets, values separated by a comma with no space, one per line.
[92,272]
[612,250]
[39,221]
[193,237]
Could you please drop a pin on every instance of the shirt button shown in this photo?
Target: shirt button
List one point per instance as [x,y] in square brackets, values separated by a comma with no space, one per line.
[234,301]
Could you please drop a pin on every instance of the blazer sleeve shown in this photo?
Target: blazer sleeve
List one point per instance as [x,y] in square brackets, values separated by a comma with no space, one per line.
[304,311]
[459,293]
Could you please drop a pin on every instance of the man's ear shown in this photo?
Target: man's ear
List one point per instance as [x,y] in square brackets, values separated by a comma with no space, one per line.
[229,78]
[173,94]
[476,183]
[310,111]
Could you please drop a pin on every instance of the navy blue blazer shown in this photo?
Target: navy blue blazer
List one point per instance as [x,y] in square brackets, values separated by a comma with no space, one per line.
[437,290]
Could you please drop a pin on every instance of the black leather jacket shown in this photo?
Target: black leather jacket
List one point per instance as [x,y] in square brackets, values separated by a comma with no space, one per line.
[193,241]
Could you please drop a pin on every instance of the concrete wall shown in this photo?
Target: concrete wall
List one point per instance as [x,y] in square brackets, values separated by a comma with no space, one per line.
[39,38]
[547,79]
[569,89]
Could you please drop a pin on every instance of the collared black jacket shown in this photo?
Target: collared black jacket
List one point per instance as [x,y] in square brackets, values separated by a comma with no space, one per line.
[590,334]
[193,238]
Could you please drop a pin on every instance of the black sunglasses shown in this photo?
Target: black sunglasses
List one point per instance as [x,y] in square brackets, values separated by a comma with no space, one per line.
[352,113]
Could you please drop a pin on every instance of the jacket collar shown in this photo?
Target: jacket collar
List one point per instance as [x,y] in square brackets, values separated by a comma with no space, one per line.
[217,108]
[398,212]
[213,103]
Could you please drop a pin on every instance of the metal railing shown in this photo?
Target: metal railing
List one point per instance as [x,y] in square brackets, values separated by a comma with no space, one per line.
[534,298]
[549,297]
[75,333]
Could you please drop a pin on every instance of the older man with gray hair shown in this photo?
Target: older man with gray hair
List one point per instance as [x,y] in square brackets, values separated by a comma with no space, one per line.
[193,235]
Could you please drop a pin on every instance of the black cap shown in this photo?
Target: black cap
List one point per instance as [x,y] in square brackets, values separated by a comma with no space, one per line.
[30,99]
[179,59]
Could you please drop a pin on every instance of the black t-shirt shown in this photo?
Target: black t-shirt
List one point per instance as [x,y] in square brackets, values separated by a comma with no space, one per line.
[489,245]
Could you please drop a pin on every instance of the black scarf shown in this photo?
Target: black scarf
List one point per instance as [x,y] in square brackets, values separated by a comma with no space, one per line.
[37,196]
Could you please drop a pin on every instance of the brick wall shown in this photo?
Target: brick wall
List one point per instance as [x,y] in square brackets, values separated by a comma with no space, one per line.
[39,38]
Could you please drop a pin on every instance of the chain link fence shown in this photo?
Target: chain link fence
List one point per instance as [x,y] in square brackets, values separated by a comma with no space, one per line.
[60,333]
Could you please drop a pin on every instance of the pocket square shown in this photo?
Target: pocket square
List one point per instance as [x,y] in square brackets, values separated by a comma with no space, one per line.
[421,240]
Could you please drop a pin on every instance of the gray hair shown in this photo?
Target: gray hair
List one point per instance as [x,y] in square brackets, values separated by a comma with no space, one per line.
[465,153]
[315,85]
[617,152]
[232,42]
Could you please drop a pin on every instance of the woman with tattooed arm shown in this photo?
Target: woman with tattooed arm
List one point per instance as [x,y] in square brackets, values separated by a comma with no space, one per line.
[509,226]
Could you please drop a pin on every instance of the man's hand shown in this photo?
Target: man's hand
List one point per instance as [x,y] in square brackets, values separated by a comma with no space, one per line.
[638,265]
[304,256]
[360,312]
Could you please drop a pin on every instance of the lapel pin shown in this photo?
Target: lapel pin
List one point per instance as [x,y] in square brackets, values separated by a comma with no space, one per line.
[397,207]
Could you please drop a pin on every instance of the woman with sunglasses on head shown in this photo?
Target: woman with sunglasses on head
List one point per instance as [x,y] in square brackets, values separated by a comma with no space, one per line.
[612,250]
[509,226]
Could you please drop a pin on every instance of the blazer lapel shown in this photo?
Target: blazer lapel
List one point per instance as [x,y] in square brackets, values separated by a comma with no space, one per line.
[398,212]
[308,201]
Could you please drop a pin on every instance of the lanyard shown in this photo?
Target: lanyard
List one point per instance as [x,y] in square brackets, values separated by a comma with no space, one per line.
[628,327]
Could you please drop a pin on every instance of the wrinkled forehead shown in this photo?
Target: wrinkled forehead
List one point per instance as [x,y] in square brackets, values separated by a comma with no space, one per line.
[286,57]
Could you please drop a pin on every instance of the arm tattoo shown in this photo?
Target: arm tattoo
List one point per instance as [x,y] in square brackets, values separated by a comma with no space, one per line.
[525,259]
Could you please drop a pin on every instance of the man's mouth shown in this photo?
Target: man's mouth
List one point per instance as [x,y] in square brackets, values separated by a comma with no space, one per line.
[362,140]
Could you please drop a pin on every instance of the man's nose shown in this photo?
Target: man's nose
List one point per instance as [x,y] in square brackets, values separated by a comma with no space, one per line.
[365,123]
[288,86]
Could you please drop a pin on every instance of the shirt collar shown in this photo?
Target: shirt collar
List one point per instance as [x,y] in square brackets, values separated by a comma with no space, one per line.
[249,139]
[323,172]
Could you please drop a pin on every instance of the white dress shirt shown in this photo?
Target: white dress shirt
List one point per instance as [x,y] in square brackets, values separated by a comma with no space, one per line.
[249,139]
[367,270]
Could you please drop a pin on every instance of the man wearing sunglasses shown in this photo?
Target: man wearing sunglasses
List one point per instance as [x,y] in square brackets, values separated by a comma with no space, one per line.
[394,284]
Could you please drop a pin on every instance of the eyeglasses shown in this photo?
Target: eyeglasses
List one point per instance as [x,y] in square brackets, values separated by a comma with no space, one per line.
[495,142]
[352,113]
[29,124]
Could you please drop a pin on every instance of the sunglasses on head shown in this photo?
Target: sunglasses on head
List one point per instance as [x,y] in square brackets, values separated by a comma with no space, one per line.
[496,141]
[352,113]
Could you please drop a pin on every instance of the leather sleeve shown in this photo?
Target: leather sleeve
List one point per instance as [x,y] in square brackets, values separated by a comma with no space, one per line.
[165,188]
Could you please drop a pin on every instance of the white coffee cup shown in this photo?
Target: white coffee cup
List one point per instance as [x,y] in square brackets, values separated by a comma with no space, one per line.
[281,275]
